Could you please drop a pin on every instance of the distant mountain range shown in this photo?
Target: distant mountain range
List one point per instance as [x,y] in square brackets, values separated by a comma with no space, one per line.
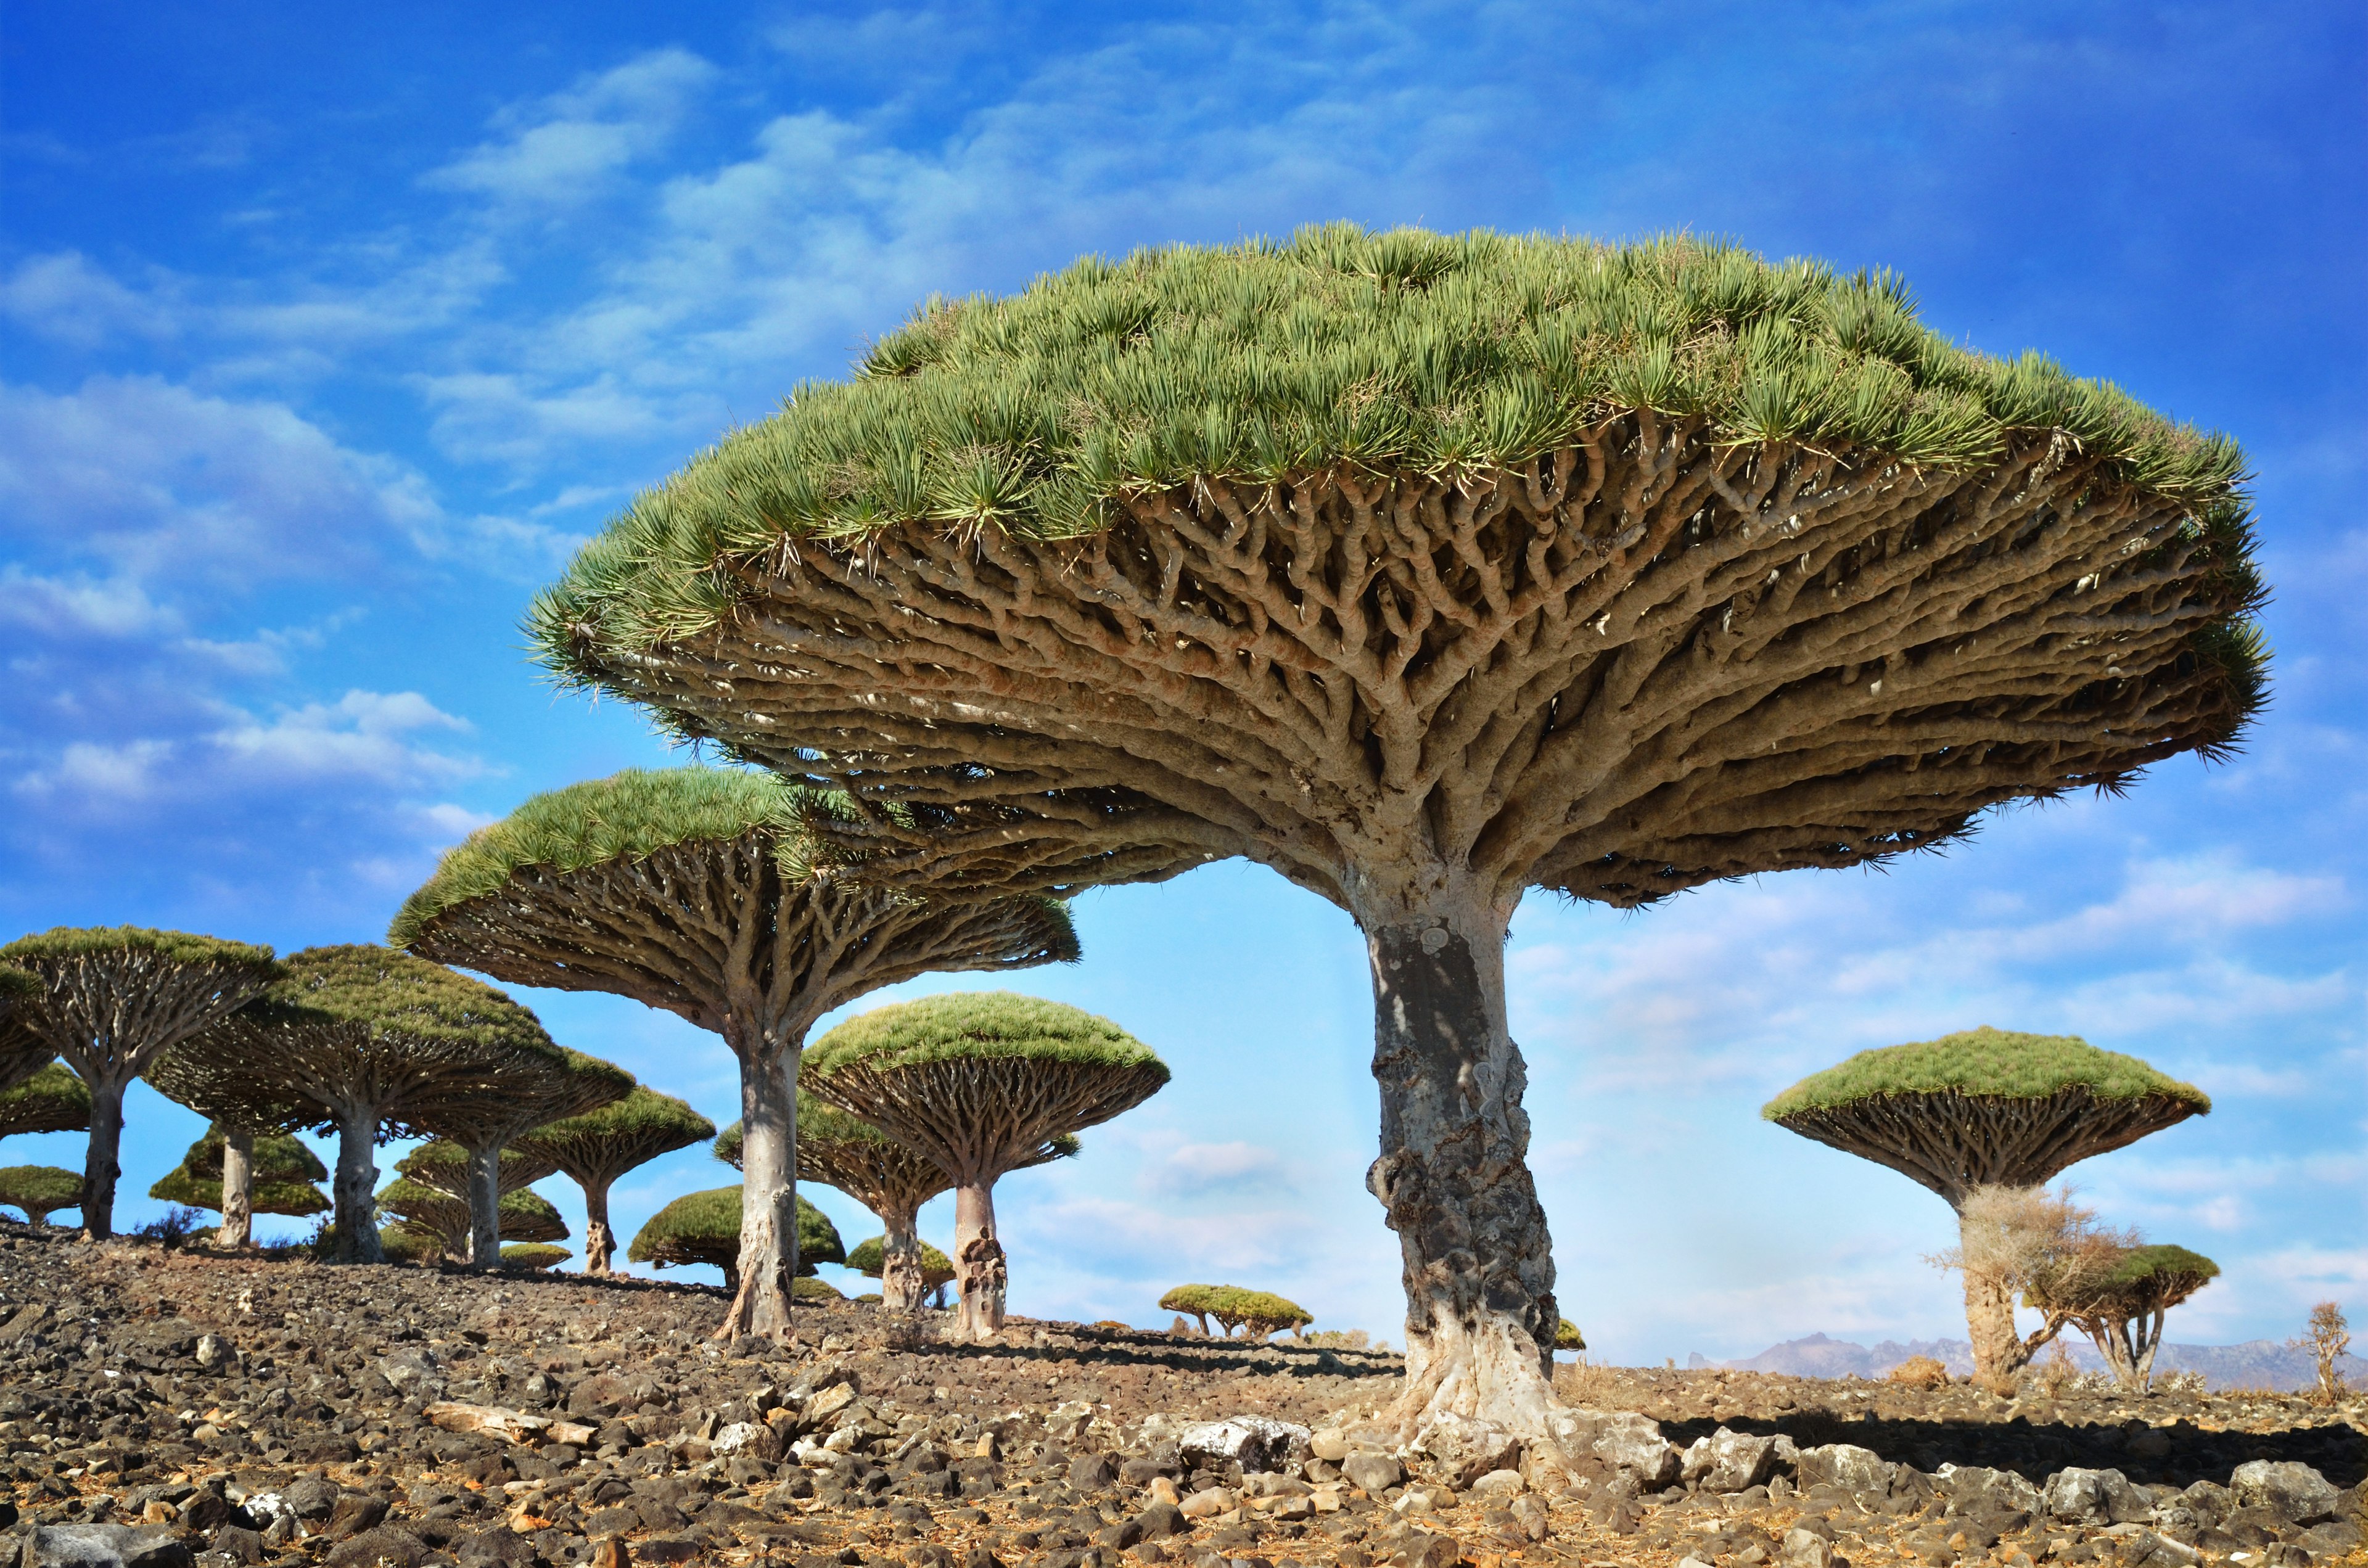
[2256,1364]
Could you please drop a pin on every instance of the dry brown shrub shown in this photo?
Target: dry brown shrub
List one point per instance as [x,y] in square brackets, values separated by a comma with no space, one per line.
[1920,1373]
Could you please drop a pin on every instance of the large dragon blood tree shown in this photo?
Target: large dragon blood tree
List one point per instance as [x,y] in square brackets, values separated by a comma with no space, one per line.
[112,999]
[982,1083]
[891,1180]
[696,890]
[1428,570]
[360,1035]
[1985,1109]
[600,1145]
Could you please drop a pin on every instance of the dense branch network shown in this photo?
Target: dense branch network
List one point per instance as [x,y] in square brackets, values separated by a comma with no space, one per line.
[1953,1142]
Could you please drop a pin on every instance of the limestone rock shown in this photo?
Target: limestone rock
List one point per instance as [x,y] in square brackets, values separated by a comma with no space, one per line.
[1622,1438]
[1730,1461]
[1375,1473]
[1463,1451]
[1845,1465]
[1254,1442]
[1804,1548]
[105,1546]
[2092,1497]
[2296,1492]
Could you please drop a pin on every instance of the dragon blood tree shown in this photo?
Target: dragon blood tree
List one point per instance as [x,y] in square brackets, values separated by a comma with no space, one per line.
[600,1145]
[241,1175]
[361,1036]
[446,1167]
[443,1224]
[981,1082]
[242,1109]
[870,1260]
[2119,1296]
[705,1227]
[52,1100]
[1984,1108]
[112,999]
[1428,570]
[22,1051]
[695,890]
[532,1090]
[39,1191]
[893,1181]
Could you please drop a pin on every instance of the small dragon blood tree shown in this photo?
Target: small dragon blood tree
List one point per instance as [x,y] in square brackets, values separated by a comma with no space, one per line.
[2121,1300]
[893,1181]
[50,1101]
[360,1036]
[1429,569]
[446,1167]
[443,1224]
[112,1000]
[39,1191]
[704,1227]
[533,1088]
[981,1082]
[937,1270]
[1259,1314]
[240,1174]
[1982,1110]
[696,890]
[243,1109]
[596,1148]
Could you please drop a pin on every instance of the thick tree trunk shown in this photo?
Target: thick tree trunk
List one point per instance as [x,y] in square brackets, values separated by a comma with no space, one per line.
[237,1189]
[485,1207]
[769,1196]
[100,1168]
[354,1190]
[2000,1352]
[903,1275]
[1452,1175]
[600,1241]
[979,1271]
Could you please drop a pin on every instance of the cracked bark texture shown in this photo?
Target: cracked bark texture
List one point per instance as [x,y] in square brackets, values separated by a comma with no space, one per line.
[977,1120]
[1651,660]
[237,1228]
[718,933]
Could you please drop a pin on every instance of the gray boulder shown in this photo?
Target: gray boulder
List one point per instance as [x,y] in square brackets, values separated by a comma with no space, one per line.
[1375,1473]
[1846,1466]
[1254,1442]
[1630,1442]
[105,1546]
[1464,1451]
[1730,1461]
[1971,1489]
[2093,1497]
[2296,1492]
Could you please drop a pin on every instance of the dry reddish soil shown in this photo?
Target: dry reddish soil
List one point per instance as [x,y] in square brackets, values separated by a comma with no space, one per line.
[166,1405]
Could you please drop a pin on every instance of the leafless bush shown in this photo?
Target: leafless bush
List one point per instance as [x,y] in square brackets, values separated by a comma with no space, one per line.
[2325,1340]
[1581,1382]
[1338,1339]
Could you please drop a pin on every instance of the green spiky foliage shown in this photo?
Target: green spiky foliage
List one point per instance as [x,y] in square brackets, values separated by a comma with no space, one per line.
[405,1244]
[38,1191]
[51,1100]
[1431,353]
[1567,1337]
[806,1287]
[444,1166]
[526,1216]
[113,999]
[704,1227]
[23,1052]
[601,1146]
[869,1257]
[1257,1313]
[533,1255]
[980,1026]
[835,1137]
[281,1171]
[1985,1062]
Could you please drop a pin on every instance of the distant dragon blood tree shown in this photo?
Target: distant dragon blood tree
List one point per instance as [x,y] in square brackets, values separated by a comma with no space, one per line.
[240,1174]
[2120,1303]
[446,1167]
[360,1035]
[38,1191]
[1428,570]
[937,1270]
[533,1088]
[1259,1314]
[112,999]
[696,890]
[243,1109]
[1985,1108]
[704,1227]
[893,1181]
[600,1145]
[52,1099]
[444,1225]
[981,1082]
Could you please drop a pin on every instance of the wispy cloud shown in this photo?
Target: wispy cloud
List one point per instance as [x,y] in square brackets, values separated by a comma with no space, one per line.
[558,150]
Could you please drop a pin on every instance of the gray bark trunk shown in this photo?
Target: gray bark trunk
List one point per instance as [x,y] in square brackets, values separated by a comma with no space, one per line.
[903,1275]
[600,1241]
[354,1186]
[1998,1349]
[100,1168]
[769,1197]
[1452,1176]
[237,1189]
[485,1207]
[979,1271]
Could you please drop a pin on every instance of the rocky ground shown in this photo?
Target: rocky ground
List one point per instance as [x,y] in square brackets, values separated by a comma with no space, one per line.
[160,1405]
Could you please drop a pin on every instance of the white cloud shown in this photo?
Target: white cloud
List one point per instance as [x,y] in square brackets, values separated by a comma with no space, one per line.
[1196,1169]
[62,297]
[559,151]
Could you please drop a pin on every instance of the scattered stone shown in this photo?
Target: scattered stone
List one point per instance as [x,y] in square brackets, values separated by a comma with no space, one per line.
[1254,1442]
[2296,1492]
[105,1546]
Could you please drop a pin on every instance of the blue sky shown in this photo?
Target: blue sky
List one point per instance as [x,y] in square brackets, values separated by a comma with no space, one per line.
[327,336]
